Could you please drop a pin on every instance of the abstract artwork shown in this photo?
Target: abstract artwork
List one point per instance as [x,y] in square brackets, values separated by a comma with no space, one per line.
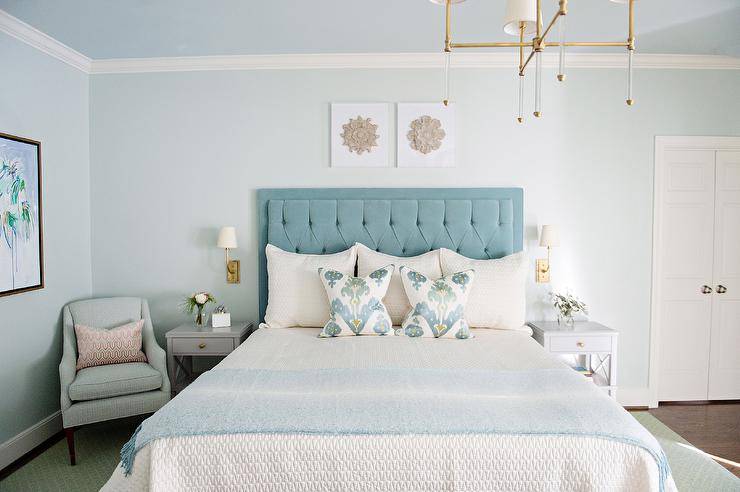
[359,135]
[21,251]
[426,135]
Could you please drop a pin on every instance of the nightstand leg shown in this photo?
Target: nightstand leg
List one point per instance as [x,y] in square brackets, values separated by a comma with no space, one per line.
[171,366]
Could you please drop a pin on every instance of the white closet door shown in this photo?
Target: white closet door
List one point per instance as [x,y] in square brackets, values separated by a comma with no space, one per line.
[724,372]
[686,229]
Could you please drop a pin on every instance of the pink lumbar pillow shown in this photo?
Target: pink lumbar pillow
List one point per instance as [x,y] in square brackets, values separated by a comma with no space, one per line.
[98,347]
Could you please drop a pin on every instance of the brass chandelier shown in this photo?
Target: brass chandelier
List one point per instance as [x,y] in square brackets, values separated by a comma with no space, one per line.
[524,17]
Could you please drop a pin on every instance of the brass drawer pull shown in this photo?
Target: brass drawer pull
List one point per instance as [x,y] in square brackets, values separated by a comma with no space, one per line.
[721,289]
[580,344]
[202,345]
[705,289]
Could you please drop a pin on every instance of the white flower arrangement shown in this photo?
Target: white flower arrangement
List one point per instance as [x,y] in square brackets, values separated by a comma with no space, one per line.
[197,302]
[567,305]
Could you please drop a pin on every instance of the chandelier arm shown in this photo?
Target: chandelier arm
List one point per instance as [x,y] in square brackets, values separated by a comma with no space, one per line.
[539,18]
[529,58]
[549,26]
[448,37]
[522,27]
[491,45]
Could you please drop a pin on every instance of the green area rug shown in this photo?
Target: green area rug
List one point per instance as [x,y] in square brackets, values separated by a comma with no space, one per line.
[98,446]
[692,469]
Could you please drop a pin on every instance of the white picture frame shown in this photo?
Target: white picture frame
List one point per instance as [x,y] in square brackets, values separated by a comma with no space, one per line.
[434,128]
[360,149]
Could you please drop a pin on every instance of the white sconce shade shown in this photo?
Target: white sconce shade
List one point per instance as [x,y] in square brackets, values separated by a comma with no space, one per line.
[549,236]
[227,237]
[518,11]
[444,2]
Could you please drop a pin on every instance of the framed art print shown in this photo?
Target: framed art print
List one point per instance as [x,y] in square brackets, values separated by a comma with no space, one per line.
[21,235]
[359,135]
[426,135]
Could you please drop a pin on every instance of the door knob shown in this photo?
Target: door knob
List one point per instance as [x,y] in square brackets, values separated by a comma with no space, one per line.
[705,289]
[721,289]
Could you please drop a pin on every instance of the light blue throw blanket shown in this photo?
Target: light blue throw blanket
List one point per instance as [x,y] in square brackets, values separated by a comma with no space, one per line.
[393,401]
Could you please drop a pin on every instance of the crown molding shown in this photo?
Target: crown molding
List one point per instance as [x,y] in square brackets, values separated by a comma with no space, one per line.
[464,59]
[403,60]
[43,42]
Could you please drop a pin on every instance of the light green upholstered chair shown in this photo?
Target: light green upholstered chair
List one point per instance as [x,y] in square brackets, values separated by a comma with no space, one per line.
[95,394]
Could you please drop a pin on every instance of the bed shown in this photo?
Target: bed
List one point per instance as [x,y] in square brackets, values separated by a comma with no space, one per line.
[448,415]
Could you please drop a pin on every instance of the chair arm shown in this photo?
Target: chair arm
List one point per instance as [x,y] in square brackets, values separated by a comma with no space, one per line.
[155,354]
[68,364]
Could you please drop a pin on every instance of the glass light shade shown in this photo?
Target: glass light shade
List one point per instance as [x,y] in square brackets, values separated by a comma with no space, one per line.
[518,11]
[227,237]
[444,2]
[549,236]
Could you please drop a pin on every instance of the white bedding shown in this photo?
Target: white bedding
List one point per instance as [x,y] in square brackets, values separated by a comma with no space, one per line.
[290,462]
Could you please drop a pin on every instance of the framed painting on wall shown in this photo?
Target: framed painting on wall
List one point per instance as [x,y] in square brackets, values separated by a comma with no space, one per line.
[21,235]
[359,135]
[426,135]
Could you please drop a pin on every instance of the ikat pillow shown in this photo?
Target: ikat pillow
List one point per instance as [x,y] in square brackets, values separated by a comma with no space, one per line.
[355,303]
[437,306]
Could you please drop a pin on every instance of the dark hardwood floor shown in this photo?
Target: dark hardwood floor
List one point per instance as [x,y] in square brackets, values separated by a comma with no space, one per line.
[714,428]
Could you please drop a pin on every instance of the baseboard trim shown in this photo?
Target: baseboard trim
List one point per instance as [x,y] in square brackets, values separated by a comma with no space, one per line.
[17,446]
[634,397]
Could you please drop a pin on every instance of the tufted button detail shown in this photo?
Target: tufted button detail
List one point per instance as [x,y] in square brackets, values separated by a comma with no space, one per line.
[457,250]
[323,251]
[296,250]
[377,250]
[403,250]
[284,222]
[337,223]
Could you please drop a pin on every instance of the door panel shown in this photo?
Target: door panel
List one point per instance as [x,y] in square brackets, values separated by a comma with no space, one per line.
[724,371]
[685,264]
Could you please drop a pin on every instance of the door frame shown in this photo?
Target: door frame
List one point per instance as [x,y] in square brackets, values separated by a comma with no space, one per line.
[662,144]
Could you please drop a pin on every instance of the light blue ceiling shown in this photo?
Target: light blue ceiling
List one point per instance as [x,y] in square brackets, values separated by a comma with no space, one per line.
[151,28]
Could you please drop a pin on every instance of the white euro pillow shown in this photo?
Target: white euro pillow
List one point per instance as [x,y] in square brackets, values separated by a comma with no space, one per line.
[497,297]
[296,296]
[395,300]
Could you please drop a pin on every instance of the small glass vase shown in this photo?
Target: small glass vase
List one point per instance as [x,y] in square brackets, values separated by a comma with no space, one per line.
[566,319]
[200,316]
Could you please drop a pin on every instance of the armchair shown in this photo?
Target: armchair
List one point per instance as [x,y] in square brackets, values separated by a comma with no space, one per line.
[113,391]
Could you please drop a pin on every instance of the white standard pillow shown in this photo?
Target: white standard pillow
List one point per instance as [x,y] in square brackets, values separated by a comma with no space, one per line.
[296,296]
[497,298]
[395,300]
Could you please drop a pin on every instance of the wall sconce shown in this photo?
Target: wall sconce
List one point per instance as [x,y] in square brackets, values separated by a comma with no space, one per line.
[227,241]
[549,238]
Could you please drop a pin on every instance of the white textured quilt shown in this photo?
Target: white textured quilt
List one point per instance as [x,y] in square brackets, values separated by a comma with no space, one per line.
[388,462]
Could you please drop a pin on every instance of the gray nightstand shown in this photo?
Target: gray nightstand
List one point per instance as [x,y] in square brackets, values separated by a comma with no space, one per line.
[188,341]
[593,345]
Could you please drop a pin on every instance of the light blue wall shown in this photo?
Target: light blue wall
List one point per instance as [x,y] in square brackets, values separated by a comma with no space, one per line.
[176,155]
[44,99]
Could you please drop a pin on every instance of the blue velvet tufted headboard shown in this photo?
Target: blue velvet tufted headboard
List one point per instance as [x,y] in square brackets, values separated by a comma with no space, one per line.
[476,222]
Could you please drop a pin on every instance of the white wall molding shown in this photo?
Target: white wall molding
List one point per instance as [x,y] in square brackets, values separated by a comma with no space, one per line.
[403,60]
[33,37]
[17,446]
[460,59]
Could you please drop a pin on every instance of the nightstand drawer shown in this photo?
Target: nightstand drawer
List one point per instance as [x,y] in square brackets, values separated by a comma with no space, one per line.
[574,344]
[188,346]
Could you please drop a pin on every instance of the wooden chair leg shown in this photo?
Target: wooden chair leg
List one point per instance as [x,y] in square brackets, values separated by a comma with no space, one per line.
[70,433]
